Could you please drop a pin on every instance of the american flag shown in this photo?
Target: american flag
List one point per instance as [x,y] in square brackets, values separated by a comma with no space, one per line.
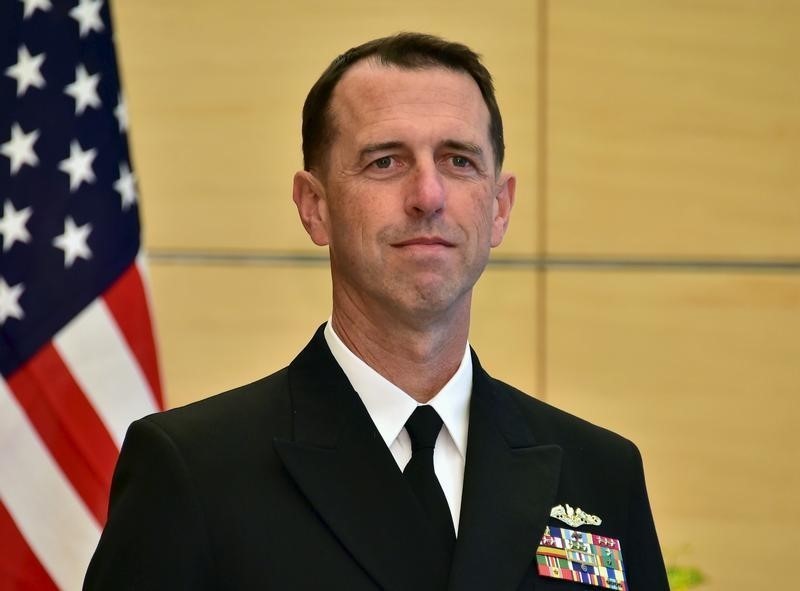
[77,354]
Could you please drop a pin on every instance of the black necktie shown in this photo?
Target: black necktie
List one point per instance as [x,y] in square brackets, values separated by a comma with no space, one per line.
[423,427]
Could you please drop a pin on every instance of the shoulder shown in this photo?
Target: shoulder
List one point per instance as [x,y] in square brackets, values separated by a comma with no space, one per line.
[249,413]
[551,425]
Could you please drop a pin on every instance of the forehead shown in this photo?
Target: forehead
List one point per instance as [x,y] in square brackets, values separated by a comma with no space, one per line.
[374,98]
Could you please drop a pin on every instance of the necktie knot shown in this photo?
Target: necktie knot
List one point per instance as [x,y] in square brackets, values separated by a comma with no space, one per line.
[423,427]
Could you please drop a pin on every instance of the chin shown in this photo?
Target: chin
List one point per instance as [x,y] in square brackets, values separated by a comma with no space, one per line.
[432,302]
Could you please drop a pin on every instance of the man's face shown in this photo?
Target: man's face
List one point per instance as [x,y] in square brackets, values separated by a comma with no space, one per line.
[409,201]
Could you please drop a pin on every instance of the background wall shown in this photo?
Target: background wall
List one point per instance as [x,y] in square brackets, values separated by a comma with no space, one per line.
[651,278]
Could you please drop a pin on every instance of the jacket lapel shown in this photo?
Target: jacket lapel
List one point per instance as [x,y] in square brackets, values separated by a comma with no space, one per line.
[510,483]
[341,464]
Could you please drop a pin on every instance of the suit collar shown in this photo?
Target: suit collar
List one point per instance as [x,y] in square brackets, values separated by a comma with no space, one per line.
[510,483]
[338,459]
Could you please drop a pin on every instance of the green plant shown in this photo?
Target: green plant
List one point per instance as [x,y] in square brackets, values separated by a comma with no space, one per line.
[684,577]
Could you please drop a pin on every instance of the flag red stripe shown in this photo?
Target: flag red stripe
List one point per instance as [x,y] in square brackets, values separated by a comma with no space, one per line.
[19,567]
[68,425]
[127,301]
[76,413]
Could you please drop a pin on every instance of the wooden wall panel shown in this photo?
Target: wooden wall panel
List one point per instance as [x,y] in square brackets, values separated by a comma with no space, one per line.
[223,326]
[673,128]
[702,372]
[215,91]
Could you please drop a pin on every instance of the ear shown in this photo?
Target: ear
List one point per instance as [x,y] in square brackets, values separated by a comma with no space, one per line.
[308,195]
[503,202]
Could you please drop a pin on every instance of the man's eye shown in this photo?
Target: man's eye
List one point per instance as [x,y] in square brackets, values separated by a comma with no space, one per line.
[461,162]
[384,162]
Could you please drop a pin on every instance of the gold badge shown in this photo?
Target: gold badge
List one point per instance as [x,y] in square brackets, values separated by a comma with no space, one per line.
[574,517]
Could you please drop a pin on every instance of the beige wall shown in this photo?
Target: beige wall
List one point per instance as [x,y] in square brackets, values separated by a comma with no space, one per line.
[657,147]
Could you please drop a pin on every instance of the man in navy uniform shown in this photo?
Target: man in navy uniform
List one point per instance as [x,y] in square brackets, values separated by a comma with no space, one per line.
[384,456]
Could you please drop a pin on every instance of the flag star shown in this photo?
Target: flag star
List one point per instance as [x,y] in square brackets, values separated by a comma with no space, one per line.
[32,5]
[121,113]
[19,149]
[9,301]
[13,225]
[87,13]
[26,71]
[84,89]
[73,242]
[78,166]
[126,186]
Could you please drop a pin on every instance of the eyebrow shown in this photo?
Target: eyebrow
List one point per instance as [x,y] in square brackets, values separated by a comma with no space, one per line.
[370,149]
[470,148]
[473,149]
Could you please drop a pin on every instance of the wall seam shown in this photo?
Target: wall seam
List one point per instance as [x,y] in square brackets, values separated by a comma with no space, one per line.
[542,194]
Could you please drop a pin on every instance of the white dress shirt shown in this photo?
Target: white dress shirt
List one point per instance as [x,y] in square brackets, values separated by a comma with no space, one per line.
[390,407]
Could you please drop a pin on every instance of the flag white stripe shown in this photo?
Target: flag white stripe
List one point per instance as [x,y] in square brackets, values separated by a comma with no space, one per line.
[58,527]
[144,273]
[95,351]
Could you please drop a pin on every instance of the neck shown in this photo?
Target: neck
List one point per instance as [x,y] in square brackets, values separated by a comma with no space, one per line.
[418,358]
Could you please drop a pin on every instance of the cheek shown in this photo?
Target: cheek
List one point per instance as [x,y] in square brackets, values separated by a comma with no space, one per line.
[351,229]
[482,215]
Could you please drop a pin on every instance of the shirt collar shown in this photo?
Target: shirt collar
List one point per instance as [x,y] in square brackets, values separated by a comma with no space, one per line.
[390,407]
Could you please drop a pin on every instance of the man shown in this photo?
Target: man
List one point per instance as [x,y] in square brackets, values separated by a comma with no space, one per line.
[384,457]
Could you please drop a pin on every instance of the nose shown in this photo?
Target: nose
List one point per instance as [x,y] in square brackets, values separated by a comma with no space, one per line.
[426,192]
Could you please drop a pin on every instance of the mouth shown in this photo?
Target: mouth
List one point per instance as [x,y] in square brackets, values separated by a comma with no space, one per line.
[424,241]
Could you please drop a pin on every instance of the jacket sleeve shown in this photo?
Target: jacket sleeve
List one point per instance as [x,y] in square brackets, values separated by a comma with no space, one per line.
[641,554]
[155,537]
